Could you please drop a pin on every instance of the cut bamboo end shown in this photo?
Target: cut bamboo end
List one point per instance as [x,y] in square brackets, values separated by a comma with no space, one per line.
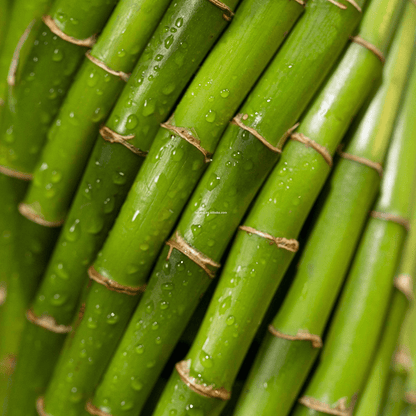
[123,75]
[113,285]
[228,13]
[93,410]
[204,262]
[202,389]
[364,161]
[187,135]
[113,137]
[404,222]
[315,340]
[404,283]
[88,42]
[40,406]
[48,323]
[8,364]
[323,151]
[15,174]
[281,242]
[410,397]
[340,408]
[28,212]
[362,42]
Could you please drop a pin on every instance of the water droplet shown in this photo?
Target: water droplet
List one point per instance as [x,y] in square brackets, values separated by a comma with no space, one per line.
[121,53]
[61,272]
[144,247]
[214,181]
[119,178]
[179,22]
[173,412]
[58,299]
[57,55]
[132,121]
[177,154]
[73,232]
[230,320]
[136,384]
[109,205]
[225,305]
[164,305]
[149,307]
[191,410]
[210,116]
[95,224]
[132,268]
[167,286]
[112,318]
[151,364]
[140,349]
[148,107]
[168,41]
[91,323]
[206,360]
[225,93]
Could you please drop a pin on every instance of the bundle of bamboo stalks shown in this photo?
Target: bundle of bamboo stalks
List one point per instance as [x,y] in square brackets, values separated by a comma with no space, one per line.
[208,207]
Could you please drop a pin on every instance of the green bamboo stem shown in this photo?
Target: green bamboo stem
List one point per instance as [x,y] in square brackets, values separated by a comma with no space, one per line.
[95,206]
[209,234]
[72,136]
[394,403]
[249,281]
[355,329]
[282,365]
[46,77]
[23,12]
[254,61]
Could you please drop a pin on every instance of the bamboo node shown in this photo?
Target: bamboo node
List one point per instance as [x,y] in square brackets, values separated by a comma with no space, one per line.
[237,120]
[47,322]
[300,336]
[404,283]
[228,13]
[360,41]
[404,222]
[123,75]
[341,6]
[28,212]
[197,257]
[410,397]
[281,242]
[187,135]
[340,408]
[373,165]
[95,411]
[209,391]
[16,174]
[8,364]
[113,285]
[40,406]
[113,137]
[323,151]
[11,76]
[3,294]
[88,42]
[403,358]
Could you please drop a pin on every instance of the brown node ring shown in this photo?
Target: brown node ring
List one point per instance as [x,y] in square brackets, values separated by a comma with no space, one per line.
[40,407]
[203,390]
[88,42]
[112,137]
[47,322]
[391,217]
[300,336]
[373,165]
[124,76]
[238,121]
[93,410]
[290,245]
[340,408]
[404,283]
[228,13]
[403,358]
[341,6]
[28,212]
[8,364]
[299,137]
[186,135]
[3,295]
[16,174]
[197,257]
[360,41]
[410,397]
[113,285]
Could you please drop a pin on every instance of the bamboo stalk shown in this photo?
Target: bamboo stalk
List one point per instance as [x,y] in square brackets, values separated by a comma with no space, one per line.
[250,278]
[199,230]
[282,365]
[259,56]
[354,331]
[97,86]
[46,77]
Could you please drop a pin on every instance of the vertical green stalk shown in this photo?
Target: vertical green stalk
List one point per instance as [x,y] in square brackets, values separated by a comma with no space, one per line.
[358,320]
[74,131]
[46,77]
[282,365]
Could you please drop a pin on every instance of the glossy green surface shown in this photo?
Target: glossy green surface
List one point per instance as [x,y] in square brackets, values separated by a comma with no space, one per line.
[356,327]
[46,77]
[74,131]
[282,366]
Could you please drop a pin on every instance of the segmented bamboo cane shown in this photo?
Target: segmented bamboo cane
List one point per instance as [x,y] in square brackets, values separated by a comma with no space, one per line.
[282,365]
[46,77]
[354,331]
[248,282]
[97,86]
[212,216]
